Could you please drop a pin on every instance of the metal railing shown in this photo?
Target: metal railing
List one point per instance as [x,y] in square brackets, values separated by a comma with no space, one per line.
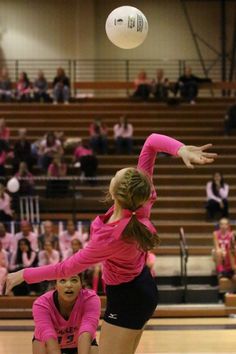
[183,262]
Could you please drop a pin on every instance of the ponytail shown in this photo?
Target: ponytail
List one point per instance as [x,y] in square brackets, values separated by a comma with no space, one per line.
[137,232]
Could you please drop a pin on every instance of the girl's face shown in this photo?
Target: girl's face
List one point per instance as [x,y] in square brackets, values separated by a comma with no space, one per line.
[75,245]
[217,177]
[69,288]
[48,246]
[224,225]
[24,247]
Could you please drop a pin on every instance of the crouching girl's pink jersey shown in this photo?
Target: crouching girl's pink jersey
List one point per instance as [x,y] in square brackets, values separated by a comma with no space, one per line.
[49,323]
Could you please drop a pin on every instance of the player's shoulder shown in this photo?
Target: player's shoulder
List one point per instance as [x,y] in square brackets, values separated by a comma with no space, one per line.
[45,299]
[86,294]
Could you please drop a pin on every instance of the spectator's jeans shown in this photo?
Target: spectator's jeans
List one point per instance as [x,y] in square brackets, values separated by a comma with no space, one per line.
[124,145]
[160,92]
[189,91]
[99,144]
[143,91]
[5,95]
[213,208]
[61,93]
[41,96]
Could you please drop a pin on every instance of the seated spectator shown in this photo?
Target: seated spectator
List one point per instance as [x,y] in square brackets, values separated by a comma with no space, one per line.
[98,137]
[41,88]
[142,86]
[57,186]
[230,119]
[22,151]
[161,86]
[5,86]
[3,267]
[222,248]
[123,135]
[48,149]
[23,88]
[66,237]
[26,180]
[4,130]
[26,234]
[48,255]
[87,160]
[5,205]
[48,236]
[217,197]
[75,246]
[22,258]
[61,87]
[6,239]
[188,85]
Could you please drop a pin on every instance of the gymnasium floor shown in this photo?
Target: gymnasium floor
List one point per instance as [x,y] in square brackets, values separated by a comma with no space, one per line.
[175,336]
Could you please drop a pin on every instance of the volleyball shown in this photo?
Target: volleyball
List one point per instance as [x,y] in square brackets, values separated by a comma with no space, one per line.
[126,27]
[13,185]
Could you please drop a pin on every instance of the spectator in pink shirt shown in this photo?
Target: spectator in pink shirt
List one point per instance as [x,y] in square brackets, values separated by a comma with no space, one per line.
[48,255]
[3,266]
[75,246]
[98,137]
[23,88]
[66,319]
[66,237]
[6,239]
[217,197]
[123,135]
[88,161]
[5,205]
[3,157]
[27,234]
[4,130]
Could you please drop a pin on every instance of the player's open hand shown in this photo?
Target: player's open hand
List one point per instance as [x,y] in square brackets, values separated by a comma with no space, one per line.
[194,155]
[13,279]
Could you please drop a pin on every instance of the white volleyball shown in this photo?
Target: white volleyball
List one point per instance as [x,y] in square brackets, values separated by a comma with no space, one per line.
[126,27]
[13,185]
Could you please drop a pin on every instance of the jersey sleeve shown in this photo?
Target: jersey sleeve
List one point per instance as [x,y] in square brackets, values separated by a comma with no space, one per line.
[93,253]
[156,143]
[44,328]
[91,315]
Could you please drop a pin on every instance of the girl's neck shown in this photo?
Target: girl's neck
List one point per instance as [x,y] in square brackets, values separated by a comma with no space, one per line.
[117,213]
[65,307]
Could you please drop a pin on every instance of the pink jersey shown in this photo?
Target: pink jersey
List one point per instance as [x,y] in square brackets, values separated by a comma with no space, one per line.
[121,261]
[49,323]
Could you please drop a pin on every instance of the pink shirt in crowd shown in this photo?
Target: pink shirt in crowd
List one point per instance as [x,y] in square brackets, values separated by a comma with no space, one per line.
[5,204]
[32,237]
[4,259]
[5,133]
[49,323]
[224,241]
[7,242]
[121,132]
[45,258]
[223,192]
[121,261]
[3,157]
[82,151]
[65,242]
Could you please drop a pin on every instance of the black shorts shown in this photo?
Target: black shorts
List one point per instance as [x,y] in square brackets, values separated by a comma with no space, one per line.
[130,305]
